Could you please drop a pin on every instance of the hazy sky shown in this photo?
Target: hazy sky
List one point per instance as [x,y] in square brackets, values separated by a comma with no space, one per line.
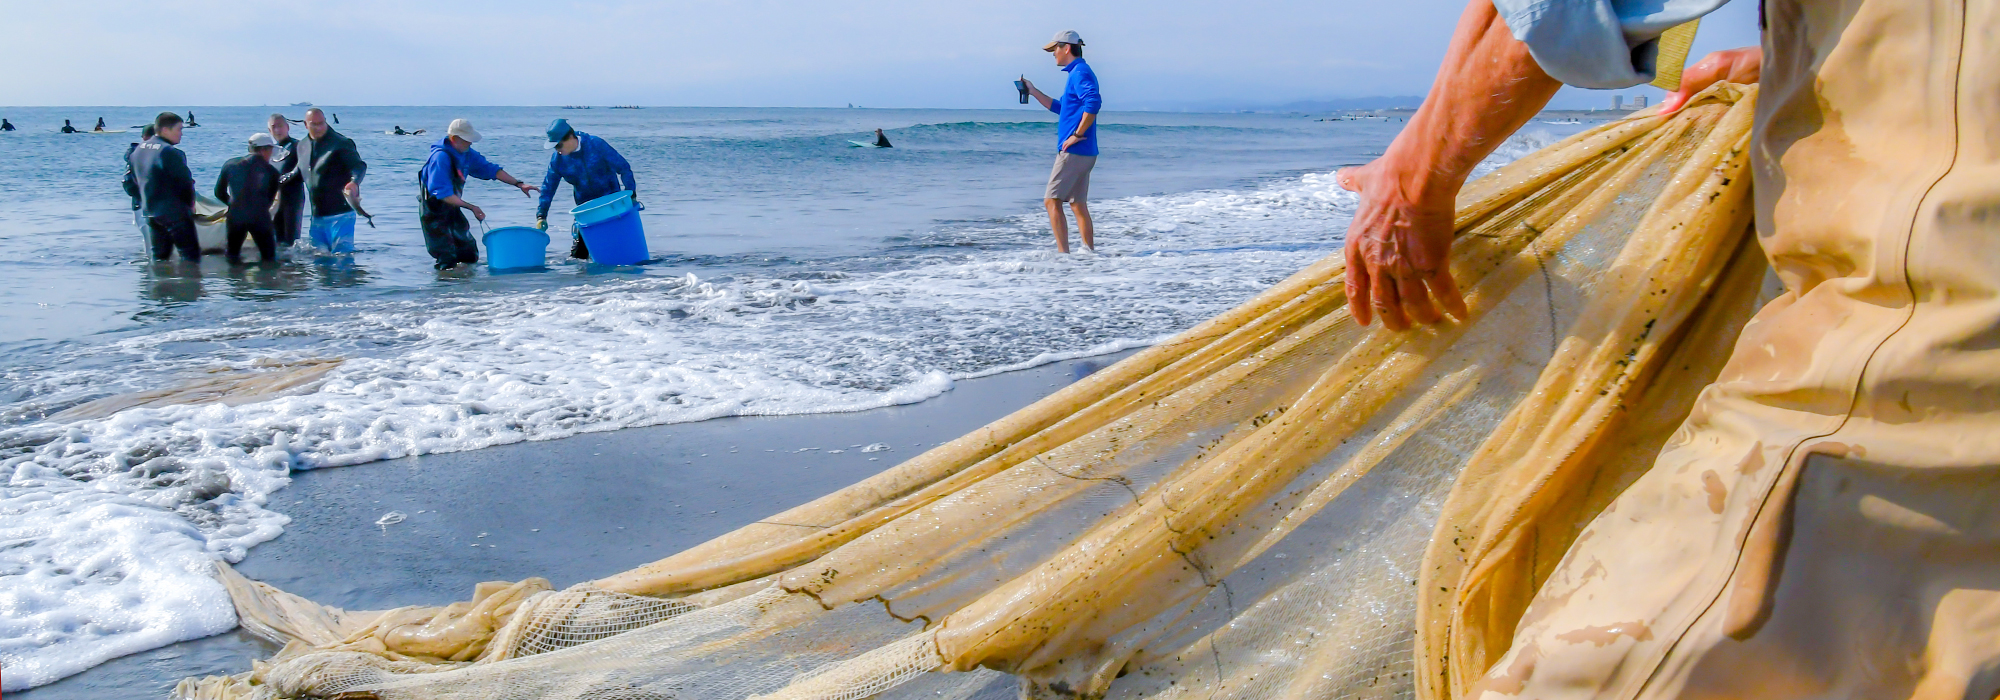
[880,53]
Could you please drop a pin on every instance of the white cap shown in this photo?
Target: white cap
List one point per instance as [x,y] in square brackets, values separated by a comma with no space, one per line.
[1066,36]
[462,129]
[261,139]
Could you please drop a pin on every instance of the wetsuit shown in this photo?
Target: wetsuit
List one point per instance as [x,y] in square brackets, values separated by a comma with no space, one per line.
[447,233]
[166,193]
[67,129]
[328,163]
[100,124]
[191,119]
[593,170]
[882,140]
[249,184]
[291,194]
[6,125]
[131,183]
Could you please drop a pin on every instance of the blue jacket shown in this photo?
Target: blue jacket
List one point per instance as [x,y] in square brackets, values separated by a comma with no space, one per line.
[594,170]
[444,173]
[1079,97]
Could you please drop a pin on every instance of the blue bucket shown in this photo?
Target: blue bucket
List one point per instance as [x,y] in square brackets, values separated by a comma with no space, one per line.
[605,208]
[618,241]
[516,247]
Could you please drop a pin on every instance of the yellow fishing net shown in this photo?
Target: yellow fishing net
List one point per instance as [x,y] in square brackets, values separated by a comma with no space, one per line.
[1277,503]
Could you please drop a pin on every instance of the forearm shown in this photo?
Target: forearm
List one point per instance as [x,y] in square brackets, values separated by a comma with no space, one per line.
[1083,125]
[1048,103]
[502,176]
[456,201]
[1487,88]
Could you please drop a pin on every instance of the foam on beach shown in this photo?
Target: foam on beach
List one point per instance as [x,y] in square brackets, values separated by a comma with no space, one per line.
[108,525]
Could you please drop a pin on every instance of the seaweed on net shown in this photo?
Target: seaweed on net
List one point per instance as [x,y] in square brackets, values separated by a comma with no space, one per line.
[1275,503]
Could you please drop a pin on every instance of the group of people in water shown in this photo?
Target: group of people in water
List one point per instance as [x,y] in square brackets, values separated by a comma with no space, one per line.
[284,185]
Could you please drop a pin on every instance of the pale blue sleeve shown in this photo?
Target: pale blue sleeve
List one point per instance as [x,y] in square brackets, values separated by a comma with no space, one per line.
[1601,44]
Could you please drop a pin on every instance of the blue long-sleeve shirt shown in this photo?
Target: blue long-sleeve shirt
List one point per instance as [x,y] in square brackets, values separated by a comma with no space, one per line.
[1079,98]
[595,169]
[437,175]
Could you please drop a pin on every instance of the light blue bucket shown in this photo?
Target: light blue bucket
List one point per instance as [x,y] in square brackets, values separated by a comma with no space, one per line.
[516,247]
[602,209]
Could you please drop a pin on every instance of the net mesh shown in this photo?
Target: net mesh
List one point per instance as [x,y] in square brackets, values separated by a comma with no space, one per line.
[1277,503]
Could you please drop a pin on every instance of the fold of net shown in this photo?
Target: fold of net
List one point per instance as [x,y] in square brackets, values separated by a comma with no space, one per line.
[1276,503]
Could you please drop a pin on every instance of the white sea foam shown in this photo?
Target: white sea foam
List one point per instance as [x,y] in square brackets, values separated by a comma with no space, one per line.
[107,527]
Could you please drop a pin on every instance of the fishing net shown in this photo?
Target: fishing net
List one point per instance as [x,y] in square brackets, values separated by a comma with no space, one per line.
[1277,503]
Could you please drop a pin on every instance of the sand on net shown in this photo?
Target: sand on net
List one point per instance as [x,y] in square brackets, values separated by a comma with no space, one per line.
[1277,503]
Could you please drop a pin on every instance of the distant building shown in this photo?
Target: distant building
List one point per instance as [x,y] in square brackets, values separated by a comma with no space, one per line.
[1617,101]
[1639,102]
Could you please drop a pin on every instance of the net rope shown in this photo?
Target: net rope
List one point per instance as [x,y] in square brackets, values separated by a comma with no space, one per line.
[1277,503]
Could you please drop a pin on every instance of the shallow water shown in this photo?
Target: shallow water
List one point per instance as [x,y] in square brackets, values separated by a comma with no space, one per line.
[791,274]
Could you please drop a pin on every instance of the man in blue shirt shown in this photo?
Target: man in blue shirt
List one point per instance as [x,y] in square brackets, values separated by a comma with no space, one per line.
[1076,131]
[591,167]
[447,235]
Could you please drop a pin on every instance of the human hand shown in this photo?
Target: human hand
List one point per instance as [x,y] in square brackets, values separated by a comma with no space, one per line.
[1398,250]
[527,190]
[1030,85]
[637,205]
[1744,66]
[353,189]
[1071,141]
[477,213]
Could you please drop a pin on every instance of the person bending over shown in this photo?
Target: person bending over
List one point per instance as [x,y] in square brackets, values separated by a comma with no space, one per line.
[447,235]
[249,185]
[591,167]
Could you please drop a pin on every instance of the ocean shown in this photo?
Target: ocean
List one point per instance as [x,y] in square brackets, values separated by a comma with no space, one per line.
[791,274]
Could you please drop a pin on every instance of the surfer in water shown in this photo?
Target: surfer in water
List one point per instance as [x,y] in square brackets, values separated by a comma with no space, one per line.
[100,125]
[882,140]
[400,131]
[190,120]
[67,129]
[6,125]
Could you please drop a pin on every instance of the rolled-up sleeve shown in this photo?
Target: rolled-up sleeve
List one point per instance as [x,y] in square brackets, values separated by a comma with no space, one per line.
[1600,44]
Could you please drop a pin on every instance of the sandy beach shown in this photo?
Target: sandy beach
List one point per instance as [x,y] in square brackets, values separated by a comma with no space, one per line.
[569,510]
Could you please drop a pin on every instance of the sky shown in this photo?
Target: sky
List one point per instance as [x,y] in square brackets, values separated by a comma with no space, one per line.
[1149,54]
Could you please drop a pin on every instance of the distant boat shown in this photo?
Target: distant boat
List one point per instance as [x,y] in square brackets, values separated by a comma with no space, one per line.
[302,104]
[574,107]
[627,107]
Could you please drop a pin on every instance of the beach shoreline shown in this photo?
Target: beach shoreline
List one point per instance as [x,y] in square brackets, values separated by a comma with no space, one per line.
[570,510]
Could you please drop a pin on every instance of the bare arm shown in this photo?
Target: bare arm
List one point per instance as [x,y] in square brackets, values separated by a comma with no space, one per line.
[1048,103]
[1741,66]
[1398,246]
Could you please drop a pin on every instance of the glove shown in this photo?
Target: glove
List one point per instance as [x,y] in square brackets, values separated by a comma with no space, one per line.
[541,224]
[636,205]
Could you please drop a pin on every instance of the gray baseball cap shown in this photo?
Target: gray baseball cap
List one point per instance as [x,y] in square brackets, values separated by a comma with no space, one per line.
[260,140]
[1066,36]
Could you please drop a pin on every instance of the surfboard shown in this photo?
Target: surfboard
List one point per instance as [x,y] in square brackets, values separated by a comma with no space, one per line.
[864,144]
[107,131]
[418,132]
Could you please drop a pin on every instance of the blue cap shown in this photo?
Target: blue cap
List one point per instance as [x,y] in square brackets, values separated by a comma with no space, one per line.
[558,130]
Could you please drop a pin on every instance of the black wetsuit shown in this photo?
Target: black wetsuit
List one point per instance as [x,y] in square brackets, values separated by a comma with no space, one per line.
[191,119]
[335,162]
[248,184]
[291,194]
[166,192]
[67,129]
[100,123]
[882,140]
[131,183]
[6,125]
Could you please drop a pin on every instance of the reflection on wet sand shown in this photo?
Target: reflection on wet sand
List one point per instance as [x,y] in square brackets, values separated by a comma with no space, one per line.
[179,282]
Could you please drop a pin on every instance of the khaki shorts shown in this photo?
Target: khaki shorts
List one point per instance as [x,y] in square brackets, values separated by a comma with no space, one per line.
[1070,180]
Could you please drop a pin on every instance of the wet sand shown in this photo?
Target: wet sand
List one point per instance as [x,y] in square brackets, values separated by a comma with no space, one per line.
[569,510]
